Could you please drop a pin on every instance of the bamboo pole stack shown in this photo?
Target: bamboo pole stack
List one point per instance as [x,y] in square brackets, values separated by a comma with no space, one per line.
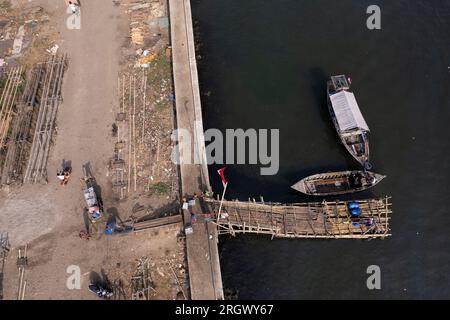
[51,98]
[118,162]
[19,139]
[133,97]
[8,102]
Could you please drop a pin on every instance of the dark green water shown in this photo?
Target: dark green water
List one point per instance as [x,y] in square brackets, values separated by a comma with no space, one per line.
[264,64]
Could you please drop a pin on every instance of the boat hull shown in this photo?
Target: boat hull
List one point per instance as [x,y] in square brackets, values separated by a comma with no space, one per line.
[337,183]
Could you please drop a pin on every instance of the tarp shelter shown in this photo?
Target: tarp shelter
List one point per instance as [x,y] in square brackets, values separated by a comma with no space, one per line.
[347,112]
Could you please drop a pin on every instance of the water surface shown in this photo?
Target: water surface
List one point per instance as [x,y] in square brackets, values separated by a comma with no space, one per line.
[264,64]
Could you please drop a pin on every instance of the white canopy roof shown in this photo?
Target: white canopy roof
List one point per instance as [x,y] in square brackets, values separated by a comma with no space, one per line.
[347,111]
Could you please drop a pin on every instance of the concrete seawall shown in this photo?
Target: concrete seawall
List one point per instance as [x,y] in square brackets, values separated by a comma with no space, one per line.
[202,252]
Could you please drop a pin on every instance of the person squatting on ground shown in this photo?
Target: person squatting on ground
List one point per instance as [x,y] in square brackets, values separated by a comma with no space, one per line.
[64,176]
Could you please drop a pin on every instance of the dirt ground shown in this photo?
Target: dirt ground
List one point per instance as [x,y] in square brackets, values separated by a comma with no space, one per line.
[48,217]
[153,190]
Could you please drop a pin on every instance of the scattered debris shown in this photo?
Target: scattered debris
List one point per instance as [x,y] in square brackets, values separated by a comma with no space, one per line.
[141,281]
[137,37]
[176,278]
[53,50]
[25,34]
[18,41]
[139,6]
[142,166]
[84,235]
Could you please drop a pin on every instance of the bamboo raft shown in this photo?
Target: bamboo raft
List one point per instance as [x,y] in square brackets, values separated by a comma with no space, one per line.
[322,220]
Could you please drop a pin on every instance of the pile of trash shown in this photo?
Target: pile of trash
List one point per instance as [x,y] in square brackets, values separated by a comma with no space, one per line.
[145,57]
[18,27]
[149,28]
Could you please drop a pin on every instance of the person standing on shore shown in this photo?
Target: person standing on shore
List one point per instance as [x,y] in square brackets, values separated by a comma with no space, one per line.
[74,7]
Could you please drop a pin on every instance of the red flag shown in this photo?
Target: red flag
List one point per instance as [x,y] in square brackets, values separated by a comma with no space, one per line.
[222,176]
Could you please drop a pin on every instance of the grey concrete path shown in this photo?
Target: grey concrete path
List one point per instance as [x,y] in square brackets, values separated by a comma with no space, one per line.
[203,258]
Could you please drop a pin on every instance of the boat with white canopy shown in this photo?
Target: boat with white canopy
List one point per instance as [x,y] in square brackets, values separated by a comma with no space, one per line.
[348,120]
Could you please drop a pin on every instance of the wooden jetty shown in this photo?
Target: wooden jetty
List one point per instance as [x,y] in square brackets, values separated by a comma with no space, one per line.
[323,220]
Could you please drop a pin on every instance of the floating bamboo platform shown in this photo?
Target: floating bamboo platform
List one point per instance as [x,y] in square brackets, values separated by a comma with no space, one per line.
[323,220]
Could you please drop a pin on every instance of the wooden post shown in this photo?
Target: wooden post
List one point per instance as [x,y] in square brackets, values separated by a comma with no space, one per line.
[221,201]
[134,133]
[129,138]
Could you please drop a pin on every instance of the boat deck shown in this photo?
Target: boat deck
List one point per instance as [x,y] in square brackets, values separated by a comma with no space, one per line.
[328,186]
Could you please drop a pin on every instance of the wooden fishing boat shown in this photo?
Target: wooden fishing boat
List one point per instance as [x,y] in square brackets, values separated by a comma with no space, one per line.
[336,183]
[348,120]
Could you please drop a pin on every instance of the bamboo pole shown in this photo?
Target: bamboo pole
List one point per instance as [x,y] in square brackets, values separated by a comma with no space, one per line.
[129,139]
[19,290]
[134,134]
[145,107]
[120,107]
[157,158]
[24,288]
[221,201]
[123,94]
